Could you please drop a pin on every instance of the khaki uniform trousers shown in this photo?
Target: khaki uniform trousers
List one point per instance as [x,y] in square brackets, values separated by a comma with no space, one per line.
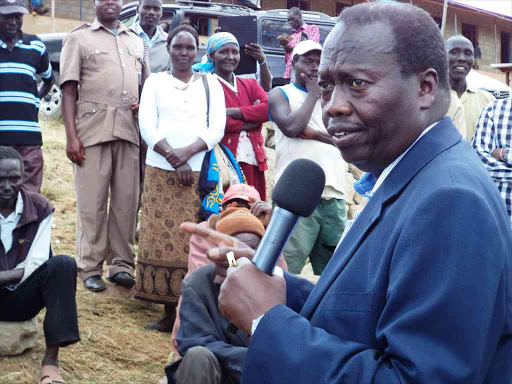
[108,167]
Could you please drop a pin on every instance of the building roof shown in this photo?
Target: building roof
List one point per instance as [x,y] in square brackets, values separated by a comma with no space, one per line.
[455,4]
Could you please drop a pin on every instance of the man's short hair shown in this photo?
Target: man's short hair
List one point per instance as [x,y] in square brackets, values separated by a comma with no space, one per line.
[294,11]
[183,28]
[419,44]
[459,37]
[9,153]
[141,2]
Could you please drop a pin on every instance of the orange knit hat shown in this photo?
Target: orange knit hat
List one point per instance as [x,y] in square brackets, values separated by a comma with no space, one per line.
[236,220]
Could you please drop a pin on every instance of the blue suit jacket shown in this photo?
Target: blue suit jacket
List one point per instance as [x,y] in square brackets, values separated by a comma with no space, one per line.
[419,291]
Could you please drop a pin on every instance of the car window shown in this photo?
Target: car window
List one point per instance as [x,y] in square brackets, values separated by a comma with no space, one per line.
[204,24]
[129,20]
[168,15]
[324,31]
[166,21]
[271,28]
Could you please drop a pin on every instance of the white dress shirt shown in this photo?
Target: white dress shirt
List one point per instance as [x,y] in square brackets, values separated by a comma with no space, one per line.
[176,111]
[39,251]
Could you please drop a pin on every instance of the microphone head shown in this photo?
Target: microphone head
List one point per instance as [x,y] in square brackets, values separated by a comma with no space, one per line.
[300,187]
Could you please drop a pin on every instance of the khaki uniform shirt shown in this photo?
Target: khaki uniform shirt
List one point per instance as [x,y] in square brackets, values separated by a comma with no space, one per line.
[107,68]
[474,101]
[456,112]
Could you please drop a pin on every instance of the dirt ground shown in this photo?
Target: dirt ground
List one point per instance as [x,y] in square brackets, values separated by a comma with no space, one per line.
[45,24]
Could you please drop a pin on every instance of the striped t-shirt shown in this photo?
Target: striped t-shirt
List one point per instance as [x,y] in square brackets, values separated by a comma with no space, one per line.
[19,101]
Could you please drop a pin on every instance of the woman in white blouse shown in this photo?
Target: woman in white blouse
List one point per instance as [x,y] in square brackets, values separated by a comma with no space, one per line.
[173,122]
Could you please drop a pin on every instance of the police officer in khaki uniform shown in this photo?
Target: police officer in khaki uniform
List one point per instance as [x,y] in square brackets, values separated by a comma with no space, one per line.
[103,67]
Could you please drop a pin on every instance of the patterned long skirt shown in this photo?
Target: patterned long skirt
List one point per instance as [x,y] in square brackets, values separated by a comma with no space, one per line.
[163,248]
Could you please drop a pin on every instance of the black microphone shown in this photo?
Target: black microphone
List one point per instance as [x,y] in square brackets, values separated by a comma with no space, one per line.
[296,194]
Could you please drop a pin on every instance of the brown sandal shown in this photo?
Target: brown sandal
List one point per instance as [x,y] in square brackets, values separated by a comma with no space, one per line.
[50,374]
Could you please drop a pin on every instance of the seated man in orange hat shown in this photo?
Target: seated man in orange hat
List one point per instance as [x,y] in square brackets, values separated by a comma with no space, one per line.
[212,354]
[239,195]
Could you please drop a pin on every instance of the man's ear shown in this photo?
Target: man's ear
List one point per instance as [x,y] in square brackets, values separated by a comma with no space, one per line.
[429,82]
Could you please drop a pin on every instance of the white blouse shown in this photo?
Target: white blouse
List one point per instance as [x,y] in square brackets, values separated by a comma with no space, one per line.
[176,111]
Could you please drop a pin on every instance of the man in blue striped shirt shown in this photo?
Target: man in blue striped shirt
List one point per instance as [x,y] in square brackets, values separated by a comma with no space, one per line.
[22,57]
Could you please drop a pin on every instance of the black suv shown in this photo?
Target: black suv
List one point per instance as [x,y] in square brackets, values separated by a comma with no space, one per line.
[204,17]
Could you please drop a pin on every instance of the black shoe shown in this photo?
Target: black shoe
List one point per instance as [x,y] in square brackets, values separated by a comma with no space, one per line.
[95,283]
[166,323]
[158,326]
[122,278]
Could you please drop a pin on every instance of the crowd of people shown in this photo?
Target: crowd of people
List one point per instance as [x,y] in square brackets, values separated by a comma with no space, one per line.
[415,288]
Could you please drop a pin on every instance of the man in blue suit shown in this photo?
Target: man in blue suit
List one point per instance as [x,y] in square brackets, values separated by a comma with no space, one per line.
[419,289]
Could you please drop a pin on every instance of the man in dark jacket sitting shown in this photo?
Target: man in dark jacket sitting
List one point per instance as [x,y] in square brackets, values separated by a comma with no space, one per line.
[212,354]
[30,279]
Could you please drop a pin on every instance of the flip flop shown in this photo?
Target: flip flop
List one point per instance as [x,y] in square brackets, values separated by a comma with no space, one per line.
[50,374]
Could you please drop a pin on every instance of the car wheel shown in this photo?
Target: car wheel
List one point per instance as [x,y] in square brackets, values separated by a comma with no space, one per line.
[51,105]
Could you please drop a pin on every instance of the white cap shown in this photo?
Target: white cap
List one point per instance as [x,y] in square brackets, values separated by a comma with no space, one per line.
[306,46]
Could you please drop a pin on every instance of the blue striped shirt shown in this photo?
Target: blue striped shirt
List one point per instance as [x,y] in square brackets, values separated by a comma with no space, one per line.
[19,101]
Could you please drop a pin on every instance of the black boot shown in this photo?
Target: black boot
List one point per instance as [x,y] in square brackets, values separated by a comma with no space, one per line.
[166,323]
